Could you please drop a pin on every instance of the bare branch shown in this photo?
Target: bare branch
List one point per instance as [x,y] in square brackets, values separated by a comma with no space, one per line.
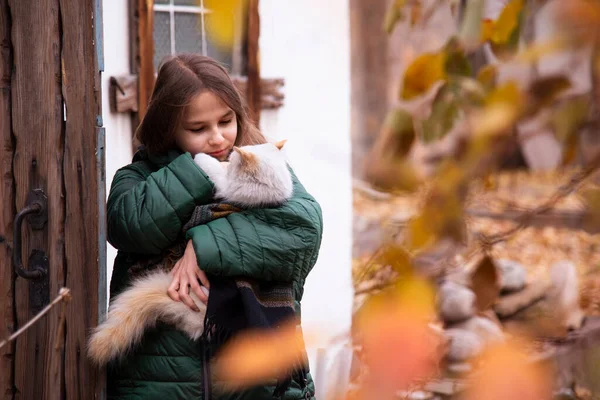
[64,294]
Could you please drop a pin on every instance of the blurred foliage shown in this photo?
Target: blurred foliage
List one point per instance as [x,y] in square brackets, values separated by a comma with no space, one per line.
[474,115]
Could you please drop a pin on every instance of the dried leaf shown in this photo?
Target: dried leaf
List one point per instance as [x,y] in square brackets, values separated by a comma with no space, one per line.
[493,120]
[487,29]
[544,91]
[485,283]
[444,111]
[393,15]
[537,51]
[507,23]
[398,344]
[592,201]
[398,127]
[396,257]
[442,214]
[501,111]
[391,174]
[255,357]
[507,30]
[487,76]
[507,373]
[456,62]
[568,117]
[422,73]
[507,93]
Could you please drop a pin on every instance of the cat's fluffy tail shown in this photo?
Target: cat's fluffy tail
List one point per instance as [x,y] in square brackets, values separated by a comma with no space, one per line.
[138,308]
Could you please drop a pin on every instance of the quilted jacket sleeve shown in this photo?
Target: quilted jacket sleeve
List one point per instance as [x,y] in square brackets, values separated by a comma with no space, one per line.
[279,244]
[145,212]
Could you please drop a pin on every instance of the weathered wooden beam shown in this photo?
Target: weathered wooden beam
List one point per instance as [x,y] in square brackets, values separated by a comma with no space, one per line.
[145,45]
[123,92]
[37,126]
[253,95]
[7,212]
[80,202]
[271,96]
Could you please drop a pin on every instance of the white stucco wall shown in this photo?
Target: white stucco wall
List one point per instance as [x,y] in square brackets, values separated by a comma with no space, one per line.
[308,44]
[118,126]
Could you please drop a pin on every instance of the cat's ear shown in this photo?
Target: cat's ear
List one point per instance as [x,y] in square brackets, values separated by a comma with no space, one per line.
[244,155]
[280,144]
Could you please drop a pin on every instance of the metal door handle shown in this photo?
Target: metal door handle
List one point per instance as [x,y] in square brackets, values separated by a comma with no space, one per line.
[35,208]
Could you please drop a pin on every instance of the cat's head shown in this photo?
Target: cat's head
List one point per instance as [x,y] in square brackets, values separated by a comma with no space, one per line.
[254,159]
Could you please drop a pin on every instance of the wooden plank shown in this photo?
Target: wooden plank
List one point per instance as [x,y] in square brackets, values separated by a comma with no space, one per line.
[134,53]
[7,212]
[37,127]
[81,193]
[146,53]
[123,93]
[253,95]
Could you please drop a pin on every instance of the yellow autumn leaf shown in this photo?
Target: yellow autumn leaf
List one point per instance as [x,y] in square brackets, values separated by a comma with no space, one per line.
[536,51]
[221,20]
[487,76]
[255,357]
[507,22]
[507,93]
[393,15]
[442,213]
[422,73]
[399,346]
[487,29]
[494,119]
[507,373]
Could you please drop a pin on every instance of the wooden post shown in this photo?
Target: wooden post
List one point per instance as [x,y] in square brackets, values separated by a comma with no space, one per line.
[37,123]
[369,76]
[7,212]
[253,94]
[53,135]
[145,67]
[80,180]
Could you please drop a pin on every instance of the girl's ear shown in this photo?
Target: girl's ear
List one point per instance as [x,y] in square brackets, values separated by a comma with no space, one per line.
[280,144]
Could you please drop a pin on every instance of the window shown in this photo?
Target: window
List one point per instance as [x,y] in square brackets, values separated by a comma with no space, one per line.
[179,26]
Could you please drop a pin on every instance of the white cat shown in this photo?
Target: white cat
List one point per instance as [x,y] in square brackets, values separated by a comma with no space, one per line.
[259,176]
[255,176]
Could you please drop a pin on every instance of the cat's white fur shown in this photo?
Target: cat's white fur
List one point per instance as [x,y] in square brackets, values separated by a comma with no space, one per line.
[238,182]
[255,176]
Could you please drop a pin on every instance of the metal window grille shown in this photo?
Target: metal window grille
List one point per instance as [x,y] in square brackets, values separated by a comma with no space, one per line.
[179,26]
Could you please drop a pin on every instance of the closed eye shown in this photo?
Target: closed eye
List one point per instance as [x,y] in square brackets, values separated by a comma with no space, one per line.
[226,121]
[197,129]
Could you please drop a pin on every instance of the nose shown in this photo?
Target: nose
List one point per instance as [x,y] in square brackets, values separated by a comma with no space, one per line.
[216,139]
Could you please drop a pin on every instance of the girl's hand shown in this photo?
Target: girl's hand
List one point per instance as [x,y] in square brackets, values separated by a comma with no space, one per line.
[186,274]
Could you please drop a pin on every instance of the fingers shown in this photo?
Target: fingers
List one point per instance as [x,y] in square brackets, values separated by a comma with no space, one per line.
[184,293]
[203,278]
[195,286]
[172,291]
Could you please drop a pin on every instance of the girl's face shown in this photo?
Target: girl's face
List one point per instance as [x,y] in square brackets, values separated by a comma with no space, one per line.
[208,126]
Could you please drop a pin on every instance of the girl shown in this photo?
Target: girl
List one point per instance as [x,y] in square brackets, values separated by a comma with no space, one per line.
[195,108]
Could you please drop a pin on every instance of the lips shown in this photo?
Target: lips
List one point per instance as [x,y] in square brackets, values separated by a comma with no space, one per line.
[219,153]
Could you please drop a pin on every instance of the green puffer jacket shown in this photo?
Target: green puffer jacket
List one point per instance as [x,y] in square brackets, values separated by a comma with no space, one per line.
[149,202]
